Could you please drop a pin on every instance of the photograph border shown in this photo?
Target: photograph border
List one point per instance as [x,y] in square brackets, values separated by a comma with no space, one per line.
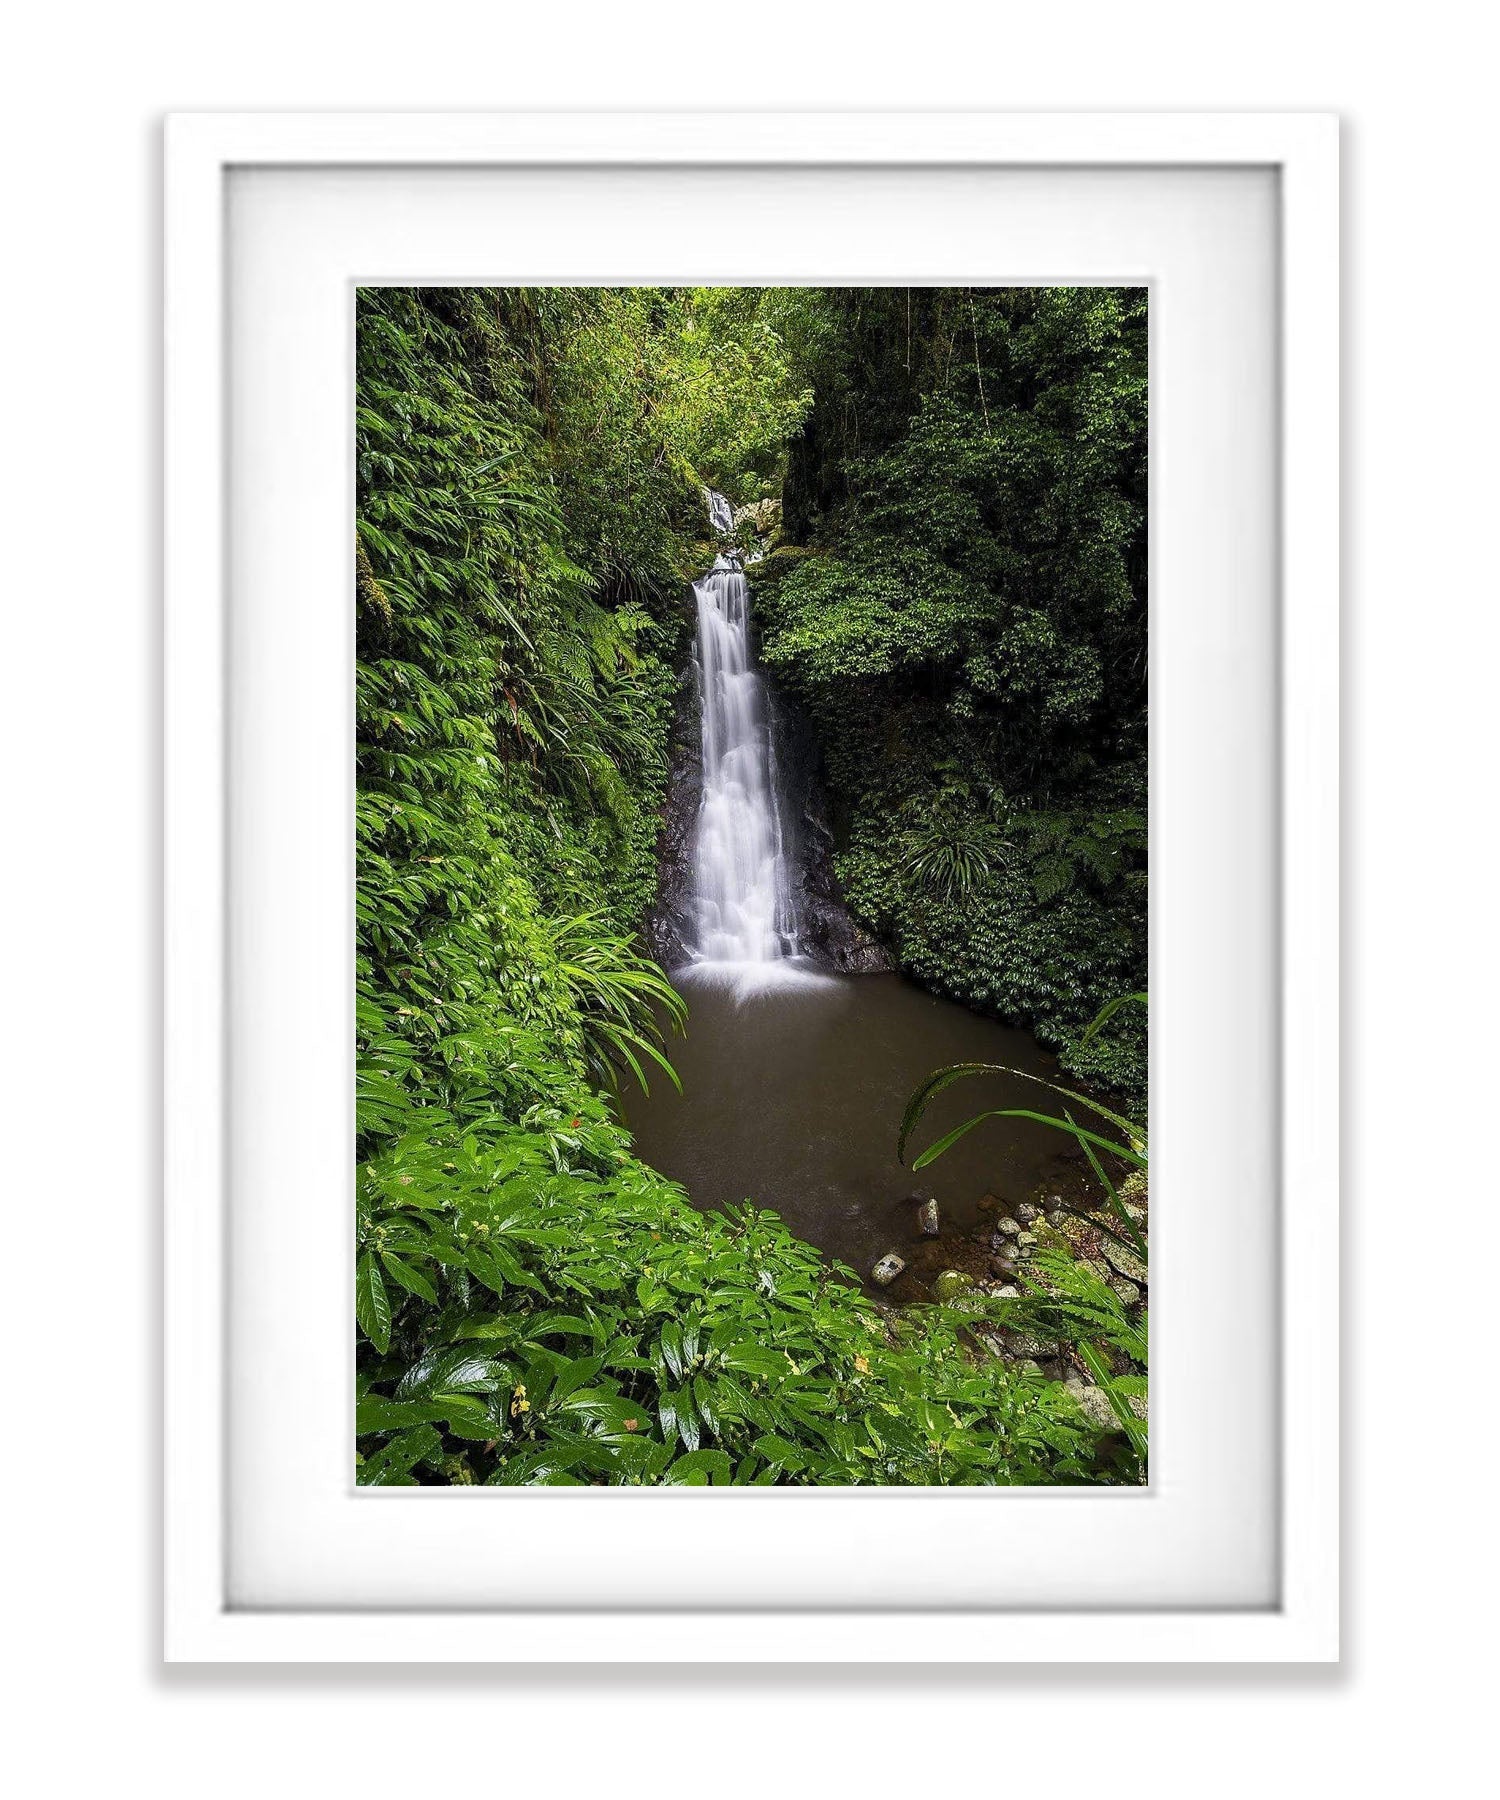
[202,149]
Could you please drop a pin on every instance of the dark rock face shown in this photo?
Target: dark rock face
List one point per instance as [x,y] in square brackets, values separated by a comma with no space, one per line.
[829,935]
[828,932]
[669,926]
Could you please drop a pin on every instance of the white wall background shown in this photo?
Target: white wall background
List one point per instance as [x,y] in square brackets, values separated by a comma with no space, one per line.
[79,370]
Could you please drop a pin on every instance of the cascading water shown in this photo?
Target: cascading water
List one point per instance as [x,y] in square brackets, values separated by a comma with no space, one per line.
[743,905]
[793,1068]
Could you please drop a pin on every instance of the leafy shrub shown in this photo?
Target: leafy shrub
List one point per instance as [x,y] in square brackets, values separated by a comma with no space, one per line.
[972,478]
[541,1307]
[1065,1300]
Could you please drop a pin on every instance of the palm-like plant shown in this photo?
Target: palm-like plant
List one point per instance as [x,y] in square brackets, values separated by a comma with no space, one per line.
[955,845]
[948,858]
[621,996]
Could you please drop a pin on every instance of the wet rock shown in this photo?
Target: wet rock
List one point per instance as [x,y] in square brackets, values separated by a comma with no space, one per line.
[1057,1218]
[857,953]
[763,516]
[1127,1290]
[950,1283]
[1009,1226]
[1026,1212]
[1006,1293]
[1095,1403]
[1003,1266]
[1123,1260]
[927,1218]
[1028,1238]
[669,929]
[988,1203]
[829,932]
[887,1269]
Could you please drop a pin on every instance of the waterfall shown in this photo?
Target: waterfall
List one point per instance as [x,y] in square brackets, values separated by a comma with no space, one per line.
[743,904]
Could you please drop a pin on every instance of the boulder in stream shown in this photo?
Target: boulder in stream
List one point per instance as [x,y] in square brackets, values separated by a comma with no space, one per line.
[1123,1260]
[887,1269]
[949,1284]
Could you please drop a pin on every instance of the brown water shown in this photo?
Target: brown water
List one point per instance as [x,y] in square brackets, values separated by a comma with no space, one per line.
[792,1097]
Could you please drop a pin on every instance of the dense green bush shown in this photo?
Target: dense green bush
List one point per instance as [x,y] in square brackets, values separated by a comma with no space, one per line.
[970,642]
[1069,1293]
[538,1306]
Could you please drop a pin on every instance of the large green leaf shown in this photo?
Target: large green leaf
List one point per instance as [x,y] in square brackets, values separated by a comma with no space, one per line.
[699,1468]
[372,1306]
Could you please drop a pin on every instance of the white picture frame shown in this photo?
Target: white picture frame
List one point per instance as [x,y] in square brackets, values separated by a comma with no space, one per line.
[204,1620]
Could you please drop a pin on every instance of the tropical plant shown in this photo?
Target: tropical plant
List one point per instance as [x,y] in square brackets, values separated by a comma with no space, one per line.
[968,497]
[620,995]
[1067,1300]
[537,1306]
[947,857]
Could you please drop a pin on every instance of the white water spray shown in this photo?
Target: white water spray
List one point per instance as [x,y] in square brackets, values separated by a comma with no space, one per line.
[744,909]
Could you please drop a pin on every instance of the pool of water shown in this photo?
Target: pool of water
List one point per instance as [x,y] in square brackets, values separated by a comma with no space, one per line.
[793,1095]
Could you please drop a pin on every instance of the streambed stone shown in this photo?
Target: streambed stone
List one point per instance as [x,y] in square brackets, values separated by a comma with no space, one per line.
[1123,1260]
[887,1269]
[949,1284]
[1095,1403]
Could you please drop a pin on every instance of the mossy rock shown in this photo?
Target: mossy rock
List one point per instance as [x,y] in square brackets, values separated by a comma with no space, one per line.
[950,1284]
[778,563]
[1124,1261]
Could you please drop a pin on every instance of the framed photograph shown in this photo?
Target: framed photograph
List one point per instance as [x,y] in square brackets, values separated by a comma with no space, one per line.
[752,723]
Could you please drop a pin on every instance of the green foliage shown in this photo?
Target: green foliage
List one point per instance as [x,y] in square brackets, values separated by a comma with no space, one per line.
[540,1307]
[1066,1300]
[509,726]
[618,994]
[646,394]
[1132,1149]
[533,1303]
[969,640]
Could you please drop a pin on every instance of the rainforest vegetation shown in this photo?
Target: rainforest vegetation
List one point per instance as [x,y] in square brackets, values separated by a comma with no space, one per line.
[943,491]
